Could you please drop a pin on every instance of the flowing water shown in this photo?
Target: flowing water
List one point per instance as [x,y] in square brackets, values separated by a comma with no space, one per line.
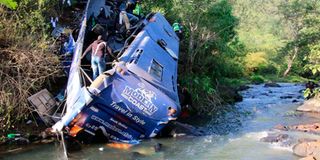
[234,133]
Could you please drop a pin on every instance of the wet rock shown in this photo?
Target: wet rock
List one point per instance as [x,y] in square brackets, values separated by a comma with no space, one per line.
[18,141]
[34,138]
[242,88]
[272,84]
[295,101]
[305,149]
[178,129]
[22,141]
[136,155]
[308,158]
[302,140]
[281,127]
[72,145]
[157,147]
[286,97]
[311,105]
[47,141]
[309,128]
[293,114]
[275,138]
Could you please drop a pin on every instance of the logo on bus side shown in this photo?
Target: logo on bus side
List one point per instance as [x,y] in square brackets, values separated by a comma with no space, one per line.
[141,98]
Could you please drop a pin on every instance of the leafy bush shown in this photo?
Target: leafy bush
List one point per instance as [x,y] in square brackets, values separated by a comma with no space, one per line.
[257,79]
[268,68]
[9,3]
[307,93]
[253,60]
[204,93]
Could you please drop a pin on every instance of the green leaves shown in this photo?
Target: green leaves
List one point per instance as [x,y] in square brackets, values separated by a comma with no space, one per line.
[307,93]
[9,3]
[303,24]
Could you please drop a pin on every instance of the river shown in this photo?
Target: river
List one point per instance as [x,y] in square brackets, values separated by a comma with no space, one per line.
[233,134]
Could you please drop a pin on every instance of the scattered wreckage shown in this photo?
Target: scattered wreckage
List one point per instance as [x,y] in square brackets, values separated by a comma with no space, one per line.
[137,97]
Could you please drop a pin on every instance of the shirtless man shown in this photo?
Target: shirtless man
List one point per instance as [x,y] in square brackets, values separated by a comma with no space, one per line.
[99,50]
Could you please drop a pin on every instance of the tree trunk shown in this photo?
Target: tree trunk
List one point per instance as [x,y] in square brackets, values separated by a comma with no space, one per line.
[290,61]
[193,28]
[190,50]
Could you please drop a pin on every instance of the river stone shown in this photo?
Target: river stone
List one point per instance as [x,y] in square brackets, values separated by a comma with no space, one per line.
[178,129]
[305,149]
[242,88]
[275,138]
[311,105]
[302,140]
[309,128]
[281,127]
[272,84]
[295,101]
[157,147]
[286,97]
[308,158]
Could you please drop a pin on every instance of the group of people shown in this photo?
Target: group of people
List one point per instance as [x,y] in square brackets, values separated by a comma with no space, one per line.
[125,12]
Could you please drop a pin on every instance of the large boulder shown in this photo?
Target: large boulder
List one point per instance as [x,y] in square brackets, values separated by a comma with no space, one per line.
[283,140]
[311,105]
[177,129]
[271,84]
[305,149]
[309,128]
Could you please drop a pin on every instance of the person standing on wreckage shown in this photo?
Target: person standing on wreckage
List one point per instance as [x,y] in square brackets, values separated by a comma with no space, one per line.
[126,13]
[99,49]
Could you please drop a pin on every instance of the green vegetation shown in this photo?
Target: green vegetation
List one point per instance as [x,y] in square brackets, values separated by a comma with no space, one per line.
[210,48]
[308,93]
[9,3]
[234,42]
[26,62]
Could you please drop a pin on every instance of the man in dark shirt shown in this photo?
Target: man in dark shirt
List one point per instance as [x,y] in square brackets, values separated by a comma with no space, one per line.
[99,50]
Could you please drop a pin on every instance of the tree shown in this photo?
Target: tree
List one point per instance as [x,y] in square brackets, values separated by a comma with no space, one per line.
[302,19]
[209,47]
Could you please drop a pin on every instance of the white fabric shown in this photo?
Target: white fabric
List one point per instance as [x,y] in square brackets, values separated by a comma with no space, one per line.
[102,43]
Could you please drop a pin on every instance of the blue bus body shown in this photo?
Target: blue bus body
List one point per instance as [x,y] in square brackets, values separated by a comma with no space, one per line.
[133,100]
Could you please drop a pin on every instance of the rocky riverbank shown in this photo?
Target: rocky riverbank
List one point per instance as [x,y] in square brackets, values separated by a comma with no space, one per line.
[233,133]
[305,147]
